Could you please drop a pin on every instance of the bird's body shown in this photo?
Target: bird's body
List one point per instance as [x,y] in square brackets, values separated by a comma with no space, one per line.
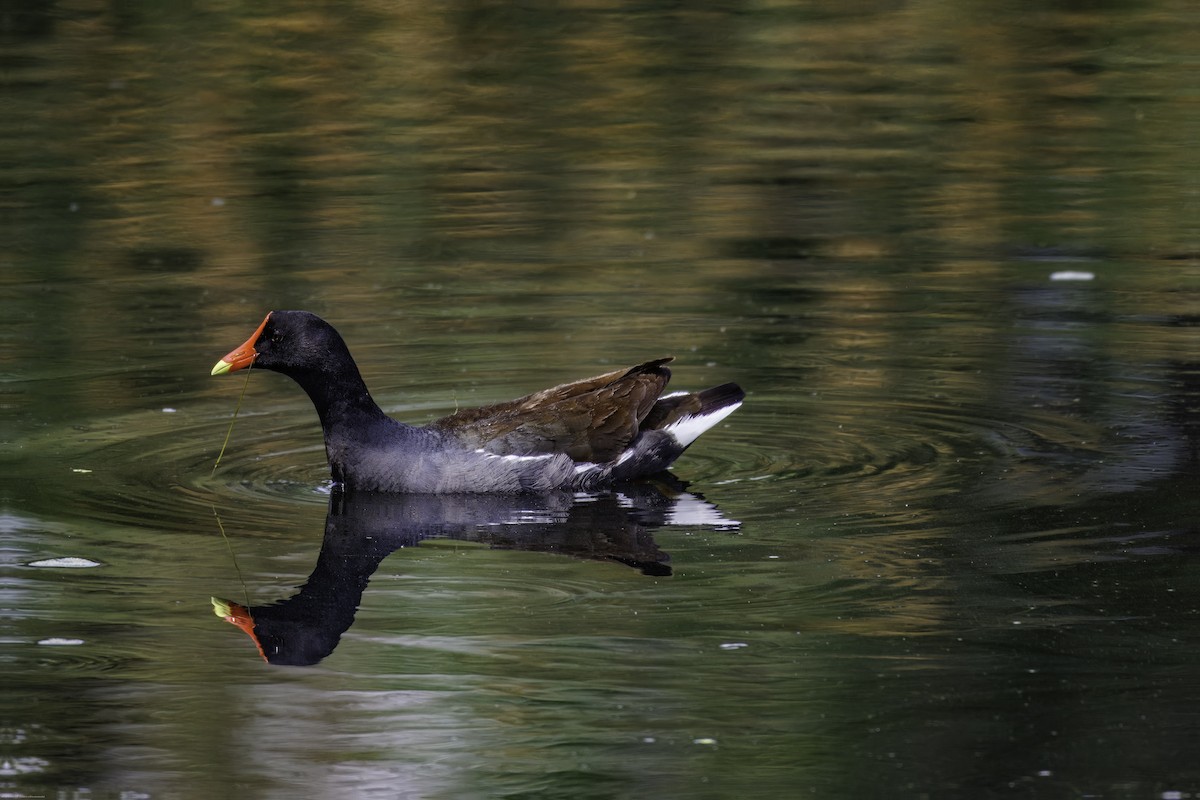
[583,435]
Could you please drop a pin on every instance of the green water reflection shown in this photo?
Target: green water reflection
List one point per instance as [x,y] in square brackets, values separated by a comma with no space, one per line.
[949,250]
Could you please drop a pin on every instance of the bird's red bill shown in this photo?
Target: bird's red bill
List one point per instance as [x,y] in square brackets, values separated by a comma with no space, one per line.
[243,355]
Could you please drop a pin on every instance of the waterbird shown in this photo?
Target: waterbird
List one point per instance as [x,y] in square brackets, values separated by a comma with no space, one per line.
[583,436]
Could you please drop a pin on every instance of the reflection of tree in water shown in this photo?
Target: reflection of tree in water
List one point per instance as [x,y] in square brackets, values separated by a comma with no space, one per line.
[362,529]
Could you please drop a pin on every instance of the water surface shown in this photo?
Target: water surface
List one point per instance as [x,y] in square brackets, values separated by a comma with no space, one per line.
[947,548]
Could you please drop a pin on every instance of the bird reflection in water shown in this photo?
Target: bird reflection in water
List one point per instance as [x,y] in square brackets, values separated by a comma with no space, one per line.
[364,528]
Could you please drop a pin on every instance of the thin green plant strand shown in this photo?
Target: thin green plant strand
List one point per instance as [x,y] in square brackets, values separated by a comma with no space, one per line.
[233,556]
[229,432]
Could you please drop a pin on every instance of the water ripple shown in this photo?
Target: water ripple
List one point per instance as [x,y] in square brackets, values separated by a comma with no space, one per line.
[160,465]
[924,445]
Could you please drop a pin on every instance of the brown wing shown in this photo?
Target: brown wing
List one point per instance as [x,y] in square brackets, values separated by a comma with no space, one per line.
[589,420]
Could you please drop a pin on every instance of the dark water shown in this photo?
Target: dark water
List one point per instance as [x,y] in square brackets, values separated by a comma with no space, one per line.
[948,547]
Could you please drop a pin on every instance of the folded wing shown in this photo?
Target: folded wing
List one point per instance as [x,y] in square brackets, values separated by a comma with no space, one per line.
[592,420]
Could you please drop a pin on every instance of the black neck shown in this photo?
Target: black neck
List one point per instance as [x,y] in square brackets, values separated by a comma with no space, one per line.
[339,395]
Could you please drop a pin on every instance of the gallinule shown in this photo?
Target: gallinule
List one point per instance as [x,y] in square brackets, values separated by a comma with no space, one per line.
[583,435]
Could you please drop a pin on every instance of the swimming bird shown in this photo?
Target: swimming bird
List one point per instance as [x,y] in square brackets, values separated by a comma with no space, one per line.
[583,436]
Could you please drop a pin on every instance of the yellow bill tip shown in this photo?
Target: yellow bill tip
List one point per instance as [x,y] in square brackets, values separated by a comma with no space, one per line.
[221,607]
[221,367]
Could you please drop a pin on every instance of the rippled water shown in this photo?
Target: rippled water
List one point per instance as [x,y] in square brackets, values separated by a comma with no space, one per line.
[947,548]
[915,543]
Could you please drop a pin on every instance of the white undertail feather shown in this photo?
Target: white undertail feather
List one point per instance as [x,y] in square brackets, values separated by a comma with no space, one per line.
[687,429]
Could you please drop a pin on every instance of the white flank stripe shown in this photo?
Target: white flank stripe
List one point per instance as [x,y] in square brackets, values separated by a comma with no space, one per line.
[516,458]
[688,429]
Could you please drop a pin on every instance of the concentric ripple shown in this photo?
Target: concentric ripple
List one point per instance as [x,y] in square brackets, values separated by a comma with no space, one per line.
[847,441]
[159,465]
